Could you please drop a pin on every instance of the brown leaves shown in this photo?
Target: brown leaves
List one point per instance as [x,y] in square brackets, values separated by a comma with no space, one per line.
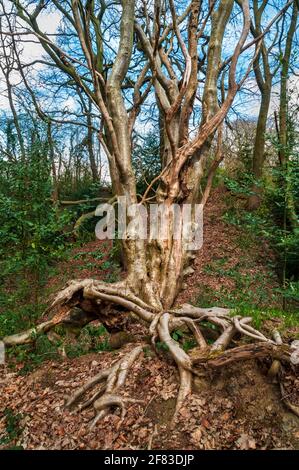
[225,417]
[245,442]
[205,423]
[238,408]
[196,437]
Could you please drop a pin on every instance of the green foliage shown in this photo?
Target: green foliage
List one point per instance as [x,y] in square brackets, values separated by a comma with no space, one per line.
[283,198]
[146,160]
[290,291]
[148,352]
[31,228]
[272,221]
[112,277]
[188,344]
[91,339]
[32,234]
[97,254]
[32,356]
[18,310]
[186,341]
[12,429]
[249,303]
[261,315]
[106,265]
[287,235]
[115,252]
[242,185]
[177,334]
[161,346]
[82,188]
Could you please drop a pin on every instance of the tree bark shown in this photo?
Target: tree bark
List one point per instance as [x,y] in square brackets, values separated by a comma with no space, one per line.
[284,145]
[263,77]
[254,200]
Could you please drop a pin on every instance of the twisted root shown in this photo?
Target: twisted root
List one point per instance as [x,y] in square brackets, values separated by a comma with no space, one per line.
[161,325]
[115,378]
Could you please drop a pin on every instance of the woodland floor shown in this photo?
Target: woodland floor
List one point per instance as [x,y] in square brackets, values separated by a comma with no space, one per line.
[237,407]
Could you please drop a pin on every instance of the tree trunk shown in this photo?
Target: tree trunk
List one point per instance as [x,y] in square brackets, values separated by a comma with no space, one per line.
[254,200]
[156,260]
[284,145]
[92,160]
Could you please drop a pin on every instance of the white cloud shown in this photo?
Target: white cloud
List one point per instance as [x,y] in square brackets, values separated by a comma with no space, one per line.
[31,49]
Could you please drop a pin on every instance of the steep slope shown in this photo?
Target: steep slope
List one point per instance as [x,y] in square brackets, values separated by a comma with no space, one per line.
[237,407]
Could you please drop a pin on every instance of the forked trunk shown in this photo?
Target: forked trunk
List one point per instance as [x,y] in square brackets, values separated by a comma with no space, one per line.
[157,252]
[156,265]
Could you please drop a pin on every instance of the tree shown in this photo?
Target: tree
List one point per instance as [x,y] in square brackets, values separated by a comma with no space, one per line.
[282,124]
[156,57]
[264,74]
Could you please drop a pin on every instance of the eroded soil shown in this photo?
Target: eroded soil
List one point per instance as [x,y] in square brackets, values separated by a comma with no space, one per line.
[237,407]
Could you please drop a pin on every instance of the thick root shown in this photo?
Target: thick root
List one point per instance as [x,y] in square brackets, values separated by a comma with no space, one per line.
[93,381]
[89,294]
[28,336]
[90,288]
[181,358]
[115,378]
[243,353]
[103,404]
[78,294]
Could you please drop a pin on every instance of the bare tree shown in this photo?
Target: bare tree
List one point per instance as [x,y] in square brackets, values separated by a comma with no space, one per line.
[166,59]
[7,66]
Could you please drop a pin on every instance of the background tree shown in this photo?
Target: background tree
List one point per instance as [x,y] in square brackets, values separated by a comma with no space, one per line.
[264,71]
[282,124]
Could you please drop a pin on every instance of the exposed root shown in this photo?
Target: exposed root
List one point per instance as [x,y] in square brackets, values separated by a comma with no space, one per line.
[92,399]
[245,352]
[245,329]
[153,329]
[295,352]
[107,397]
[27,336]
[74,295]
[93,381]
[201,313]
[224,339]
[184,390]
[151,439]
[103,404]
[181,358]
[90,288]
[276,364]
[88,294]
[199,337]
[92,292]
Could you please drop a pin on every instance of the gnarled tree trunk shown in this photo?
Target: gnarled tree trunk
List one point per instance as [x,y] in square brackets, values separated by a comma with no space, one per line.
[155,265]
